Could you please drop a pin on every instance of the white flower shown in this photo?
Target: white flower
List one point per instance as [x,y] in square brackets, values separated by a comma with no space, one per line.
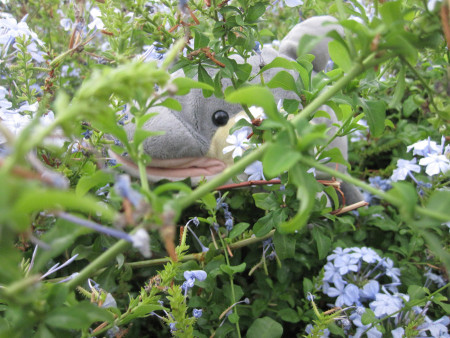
[15,122]
[255,171]
[424,148]
[404,168]
[238,141]
[96,22]
[435,164]
[109,301]
[141,241]
[293,3]
[27,107]
[10,29]
[66,24]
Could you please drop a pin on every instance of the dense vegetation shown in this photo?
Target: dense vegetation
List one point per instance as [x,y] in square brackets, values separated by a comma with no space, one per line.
[87,250]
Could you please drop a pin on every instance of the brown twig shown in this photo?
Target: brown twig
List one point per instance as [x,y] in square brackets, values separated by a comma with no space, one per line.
[445,23]
[210,55]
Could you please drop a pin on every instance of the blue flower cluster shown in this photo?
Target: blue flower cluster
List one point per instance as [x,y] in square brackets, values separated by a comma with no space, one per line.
[360,279]
[229,221]
[379,183]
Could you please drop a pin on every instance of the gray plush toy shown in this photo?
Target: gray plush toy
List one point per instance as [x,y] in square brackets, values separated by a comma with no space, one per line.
[195,137]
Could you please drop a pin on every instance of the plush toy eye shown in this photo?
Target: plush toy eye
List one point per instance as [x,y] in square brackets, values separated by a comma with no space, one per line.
[220,118]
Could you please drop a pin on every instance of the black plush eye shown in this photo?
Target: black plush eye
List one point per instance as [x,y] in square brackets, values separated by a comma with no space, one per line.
[220,118]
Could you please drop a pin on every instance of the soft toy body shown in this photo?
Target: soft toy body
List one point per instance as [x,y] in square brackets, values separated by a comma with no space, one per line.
[193,138]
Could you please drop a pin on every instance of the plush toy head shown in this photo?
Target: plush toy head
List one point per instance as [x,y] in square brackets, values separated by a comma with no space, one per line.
[194,137]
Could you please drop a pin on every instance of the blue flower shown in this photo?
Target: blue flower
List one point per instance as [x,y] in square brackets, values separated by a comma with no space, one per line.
[87,134]
[197,313]
[348,295]
[370,290]
[392,272]
[437,328]
[385,304]
[338,252]
[398,332]
[346,263]
[368,255]
[195,274]
[332,274]
[325,333]
[123,188]
[191,277]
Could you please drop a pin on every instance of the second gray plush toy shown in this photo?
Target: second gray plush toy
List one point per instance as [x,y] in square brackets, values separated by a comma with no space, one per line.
[194,137]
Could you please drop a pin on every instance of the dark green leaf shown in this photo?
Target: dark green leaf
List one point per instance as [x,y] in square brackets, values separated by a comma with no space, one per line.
[265,327]
[323,242]
[289,315]
[238,229]
[376,113]
[284,245]
[80,316]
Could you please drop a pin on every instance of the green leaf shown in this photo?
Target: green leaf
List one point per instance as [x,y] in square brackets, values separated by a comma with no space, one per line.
[289,315]
[266,32]
[238,229]
[376,113]
[265,327]
[283,80]
[407,194]
[204,77]
[335,156]
[409,106]
[140,135]
[439,202]
[416,292]
[266,201]
[278,159]
[269,221]
[368,317]
[98,179]
[231,270]
[340,55]
[399,91]
[256,96]
[391,12]
[306,191]
[171,104]
[255,12]
[284,245]
[57,199]
[80,316]
[323,242]
[185,84]
[200,40]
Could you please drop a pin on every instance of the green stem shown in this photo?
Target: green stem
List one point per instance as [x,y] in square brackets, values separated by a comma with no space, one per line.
[374,191]
[233,294]
[142,170]
[357,69]
[227,174]
[98,263]
[431,93]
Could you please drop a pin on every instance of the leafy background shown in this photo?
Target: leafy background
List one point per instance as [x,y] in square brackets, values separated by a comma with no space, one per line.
[67,70]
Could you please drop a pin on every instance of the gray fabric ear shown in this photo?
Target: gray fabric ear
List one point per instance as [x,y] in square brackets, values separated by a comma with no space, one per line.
[316,26]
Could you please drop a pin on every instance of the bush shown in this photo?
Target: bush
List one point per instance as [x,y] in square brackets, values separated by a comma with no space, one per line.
[88,250]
